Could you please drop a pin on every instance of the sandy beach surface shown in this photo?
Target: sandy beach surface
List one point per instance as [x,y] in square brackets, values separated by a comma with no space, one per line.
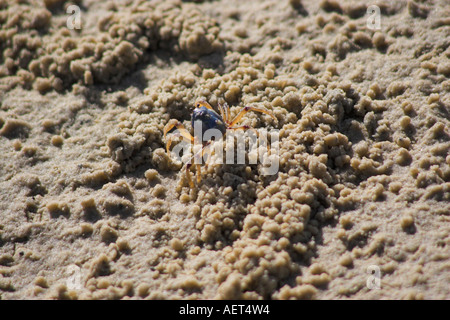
[92,206]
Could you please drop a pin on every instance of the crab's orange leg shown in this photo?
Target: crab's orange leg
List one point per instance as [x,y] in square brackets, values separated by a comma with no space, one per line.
[222,112]
[188,176]
[203,103]
[247,109]
[170,140]
[199,173]
[181,131]
[226,111]
[180,128]
[201,153]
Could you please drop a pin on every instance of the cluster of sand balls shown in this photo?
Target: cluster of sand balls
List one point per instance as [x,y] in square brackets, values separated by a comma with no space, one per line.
[342,144]
[36,57]
[266,226]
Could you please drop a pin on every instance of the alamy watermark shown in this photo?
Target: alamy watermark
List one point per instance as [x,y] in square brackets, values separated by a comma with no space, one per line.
[74,281]
[374,280]
[374,20]
[74,20]
[263,148]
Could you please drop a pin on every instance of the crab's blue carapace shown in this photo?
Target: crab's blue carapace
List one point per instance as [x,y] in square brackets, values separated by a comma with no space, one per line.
[205,117]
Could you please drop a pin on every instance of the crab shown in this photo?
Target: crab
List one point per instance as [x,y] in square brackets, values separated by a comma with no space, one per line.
[209,119]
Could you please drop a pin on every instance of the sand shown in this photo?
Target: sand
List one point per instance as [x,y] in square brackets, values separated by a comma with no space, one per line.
[92,206]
